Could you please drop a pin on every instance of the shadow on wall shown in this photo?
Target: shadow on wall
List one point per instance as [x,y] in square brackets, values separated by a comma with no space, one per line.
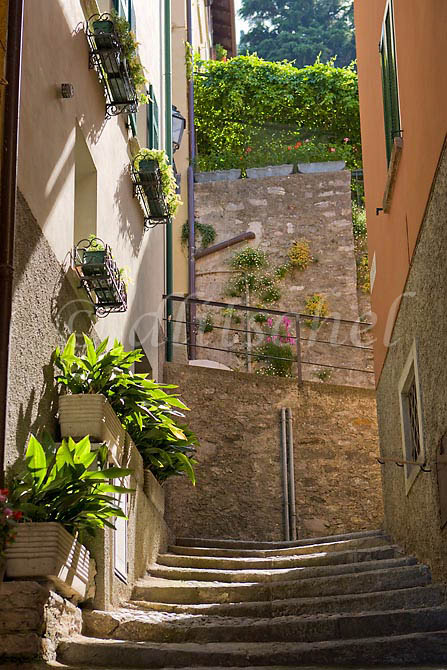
[131,227]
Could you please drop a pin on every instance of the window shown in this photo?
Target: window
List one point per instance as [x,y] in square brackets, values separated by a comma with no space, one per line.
[411,418]
[152,120]
[389,80]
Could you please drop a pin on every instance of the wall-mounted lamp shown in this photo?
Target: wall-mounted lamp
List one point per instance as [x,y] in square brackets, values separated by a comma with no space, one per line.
[178,127]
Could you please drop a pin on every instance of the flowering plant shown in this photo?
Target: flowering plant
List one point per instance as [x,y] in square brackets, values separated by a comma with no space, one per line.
[276,353]
[8,521]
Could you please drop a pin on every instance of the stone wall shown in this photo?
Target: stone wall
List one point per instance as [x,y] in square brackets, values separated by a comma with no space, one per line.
[280,210]
[414,519]
[239,493]
[32,621]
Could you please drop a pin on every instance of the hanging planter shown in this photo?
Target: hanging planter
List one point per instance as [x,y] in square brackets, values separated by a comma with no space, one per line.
[100,276]
[155,186]
[114,58]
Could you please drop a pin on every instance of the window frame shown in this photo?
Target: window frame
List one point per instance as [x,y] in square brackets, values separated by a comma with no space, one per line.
[410,375]
[390,80]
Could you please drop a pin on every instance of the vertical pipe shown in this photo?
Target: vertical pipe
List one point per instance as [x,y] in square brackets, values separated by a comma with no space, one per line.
[191,207]
[285,483]
[291,474]
[299,367]
[8,205]
[168,146]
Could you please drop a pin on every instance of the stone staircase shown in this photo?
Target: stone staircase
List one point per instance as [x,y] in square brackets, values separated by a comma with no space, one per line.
[342,600]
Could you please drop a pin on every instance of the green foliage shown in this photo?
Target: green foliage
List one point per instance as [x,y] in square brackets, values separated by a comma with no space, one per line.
[299,30]
[253,276]
[221,52]
[249,111]
[316,305]
[277,359]
[168,182]
[323,375]
[363,276]
[141,404]
[206,325]
[358,220]
[70,484]
[232,314]
[260,318]
[168,458]
[130,48]
[247,259]
[206,231]
[299,254]
[95,244]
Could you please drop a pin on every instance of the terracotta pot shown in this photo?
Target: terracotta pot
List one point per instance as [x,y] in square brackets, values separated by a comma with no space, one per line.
[46,551]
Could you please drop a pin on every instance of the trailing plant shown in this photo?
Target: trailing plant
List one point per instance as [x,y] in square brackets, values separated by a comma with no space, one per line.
[206,325]
[9,518]
[70,484]
[140,403]
[358,221]
[363,275]
[248,258]
[169,185]
[246,108]
[206,231]
[252,276]
[316,305]
[299,255]
[130,50]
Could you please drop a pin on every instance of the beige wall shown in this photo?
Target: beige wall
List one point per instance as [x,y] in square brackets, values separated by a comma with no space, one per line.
[47,157]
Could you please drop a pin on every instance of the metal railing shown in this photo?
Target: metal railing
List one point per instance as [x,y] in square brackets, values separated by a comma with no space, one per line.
[295,338]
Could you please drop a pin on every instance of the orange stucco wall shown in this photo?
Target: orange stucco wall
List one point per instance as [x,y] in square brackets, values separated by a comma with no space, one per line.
[421,43]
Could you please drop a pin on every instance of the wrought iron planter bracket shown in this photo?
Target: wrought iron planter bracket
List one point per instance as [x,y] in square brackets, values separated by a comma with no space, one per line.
[150,194]
[102,281]
[110,56]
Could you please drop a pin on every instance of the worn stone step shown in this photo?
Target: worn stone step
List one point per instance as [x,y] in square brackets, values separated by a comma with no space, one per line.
[376,579]
[244,544]
[141,626]
[275,562]
[259,576]
[415,648]
[430,595]
[341,545]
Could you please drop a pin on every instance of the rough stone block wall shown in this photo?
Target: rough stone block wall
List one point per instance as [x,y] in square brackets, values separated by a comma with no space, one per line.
[32,621]
[414,519]
[239,492]
[280,210]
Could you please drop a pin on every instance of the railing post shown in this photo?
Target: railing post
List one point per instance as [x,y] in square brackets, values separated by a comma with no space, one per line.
[299,367]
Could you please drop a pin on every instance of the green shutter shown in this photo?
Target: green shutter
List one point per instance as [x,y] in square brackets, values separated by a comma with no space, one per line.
[152,120]
[389,81]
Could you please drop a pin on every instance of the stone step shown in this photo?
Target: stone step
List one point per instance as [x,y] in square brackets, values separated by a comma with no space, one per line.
[430,595]
[244,544]
[260,576]
[141,626]
[415,648]
[341,545]
[275,562]
[357,581]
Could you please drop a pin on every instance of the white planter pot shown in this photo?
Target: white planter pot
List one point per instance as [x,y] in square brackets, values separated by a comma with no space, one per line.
[154,492]
[46,551]
[217,175]
[328,166]
[269,171]
[91,414]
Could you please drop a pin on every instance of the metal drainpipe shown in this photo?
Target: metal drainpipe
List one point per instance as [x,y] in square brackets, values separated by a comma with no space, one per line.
[291,474]
[285,479]
[8,201]
[168,144]
[191,207]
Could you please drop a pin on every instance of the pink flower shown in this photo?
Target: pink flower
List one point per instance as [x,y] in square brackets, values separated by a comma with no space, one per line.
[332,150]
[286,321]
[7,512]
[270,322]
[306,141]
[269,339]
[3,498]
[346,140]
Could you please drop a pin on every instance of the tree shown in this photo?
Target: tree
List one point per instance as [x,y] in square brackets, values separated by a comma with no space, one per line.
[299,30]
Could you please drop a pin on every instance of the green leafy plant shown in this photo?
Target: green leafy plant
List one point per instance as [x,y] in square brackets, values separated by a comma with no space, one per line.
[95,243]
[260,318]
[168,456]
[206,325]
[252,276]
[130,49]
[316,305]
[283,270]
[323,375]
[206,231]
[221,52]
[276,353]
[168,182]
[70,484]
[248,259]
[299,254]
[141,404]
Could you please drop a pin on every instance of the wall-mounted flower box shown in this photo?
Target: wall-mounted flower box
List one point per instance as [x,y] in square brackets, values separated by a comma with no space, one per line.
[148,188]
[107,56]
[100,276]
[46,551]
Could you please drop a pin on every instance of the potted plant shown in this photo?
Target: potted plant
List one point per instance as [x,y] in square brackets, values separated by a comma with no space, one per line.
[155,184]
[9,518]
[64,493]
[104,282]
[93,256]
[100,387]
